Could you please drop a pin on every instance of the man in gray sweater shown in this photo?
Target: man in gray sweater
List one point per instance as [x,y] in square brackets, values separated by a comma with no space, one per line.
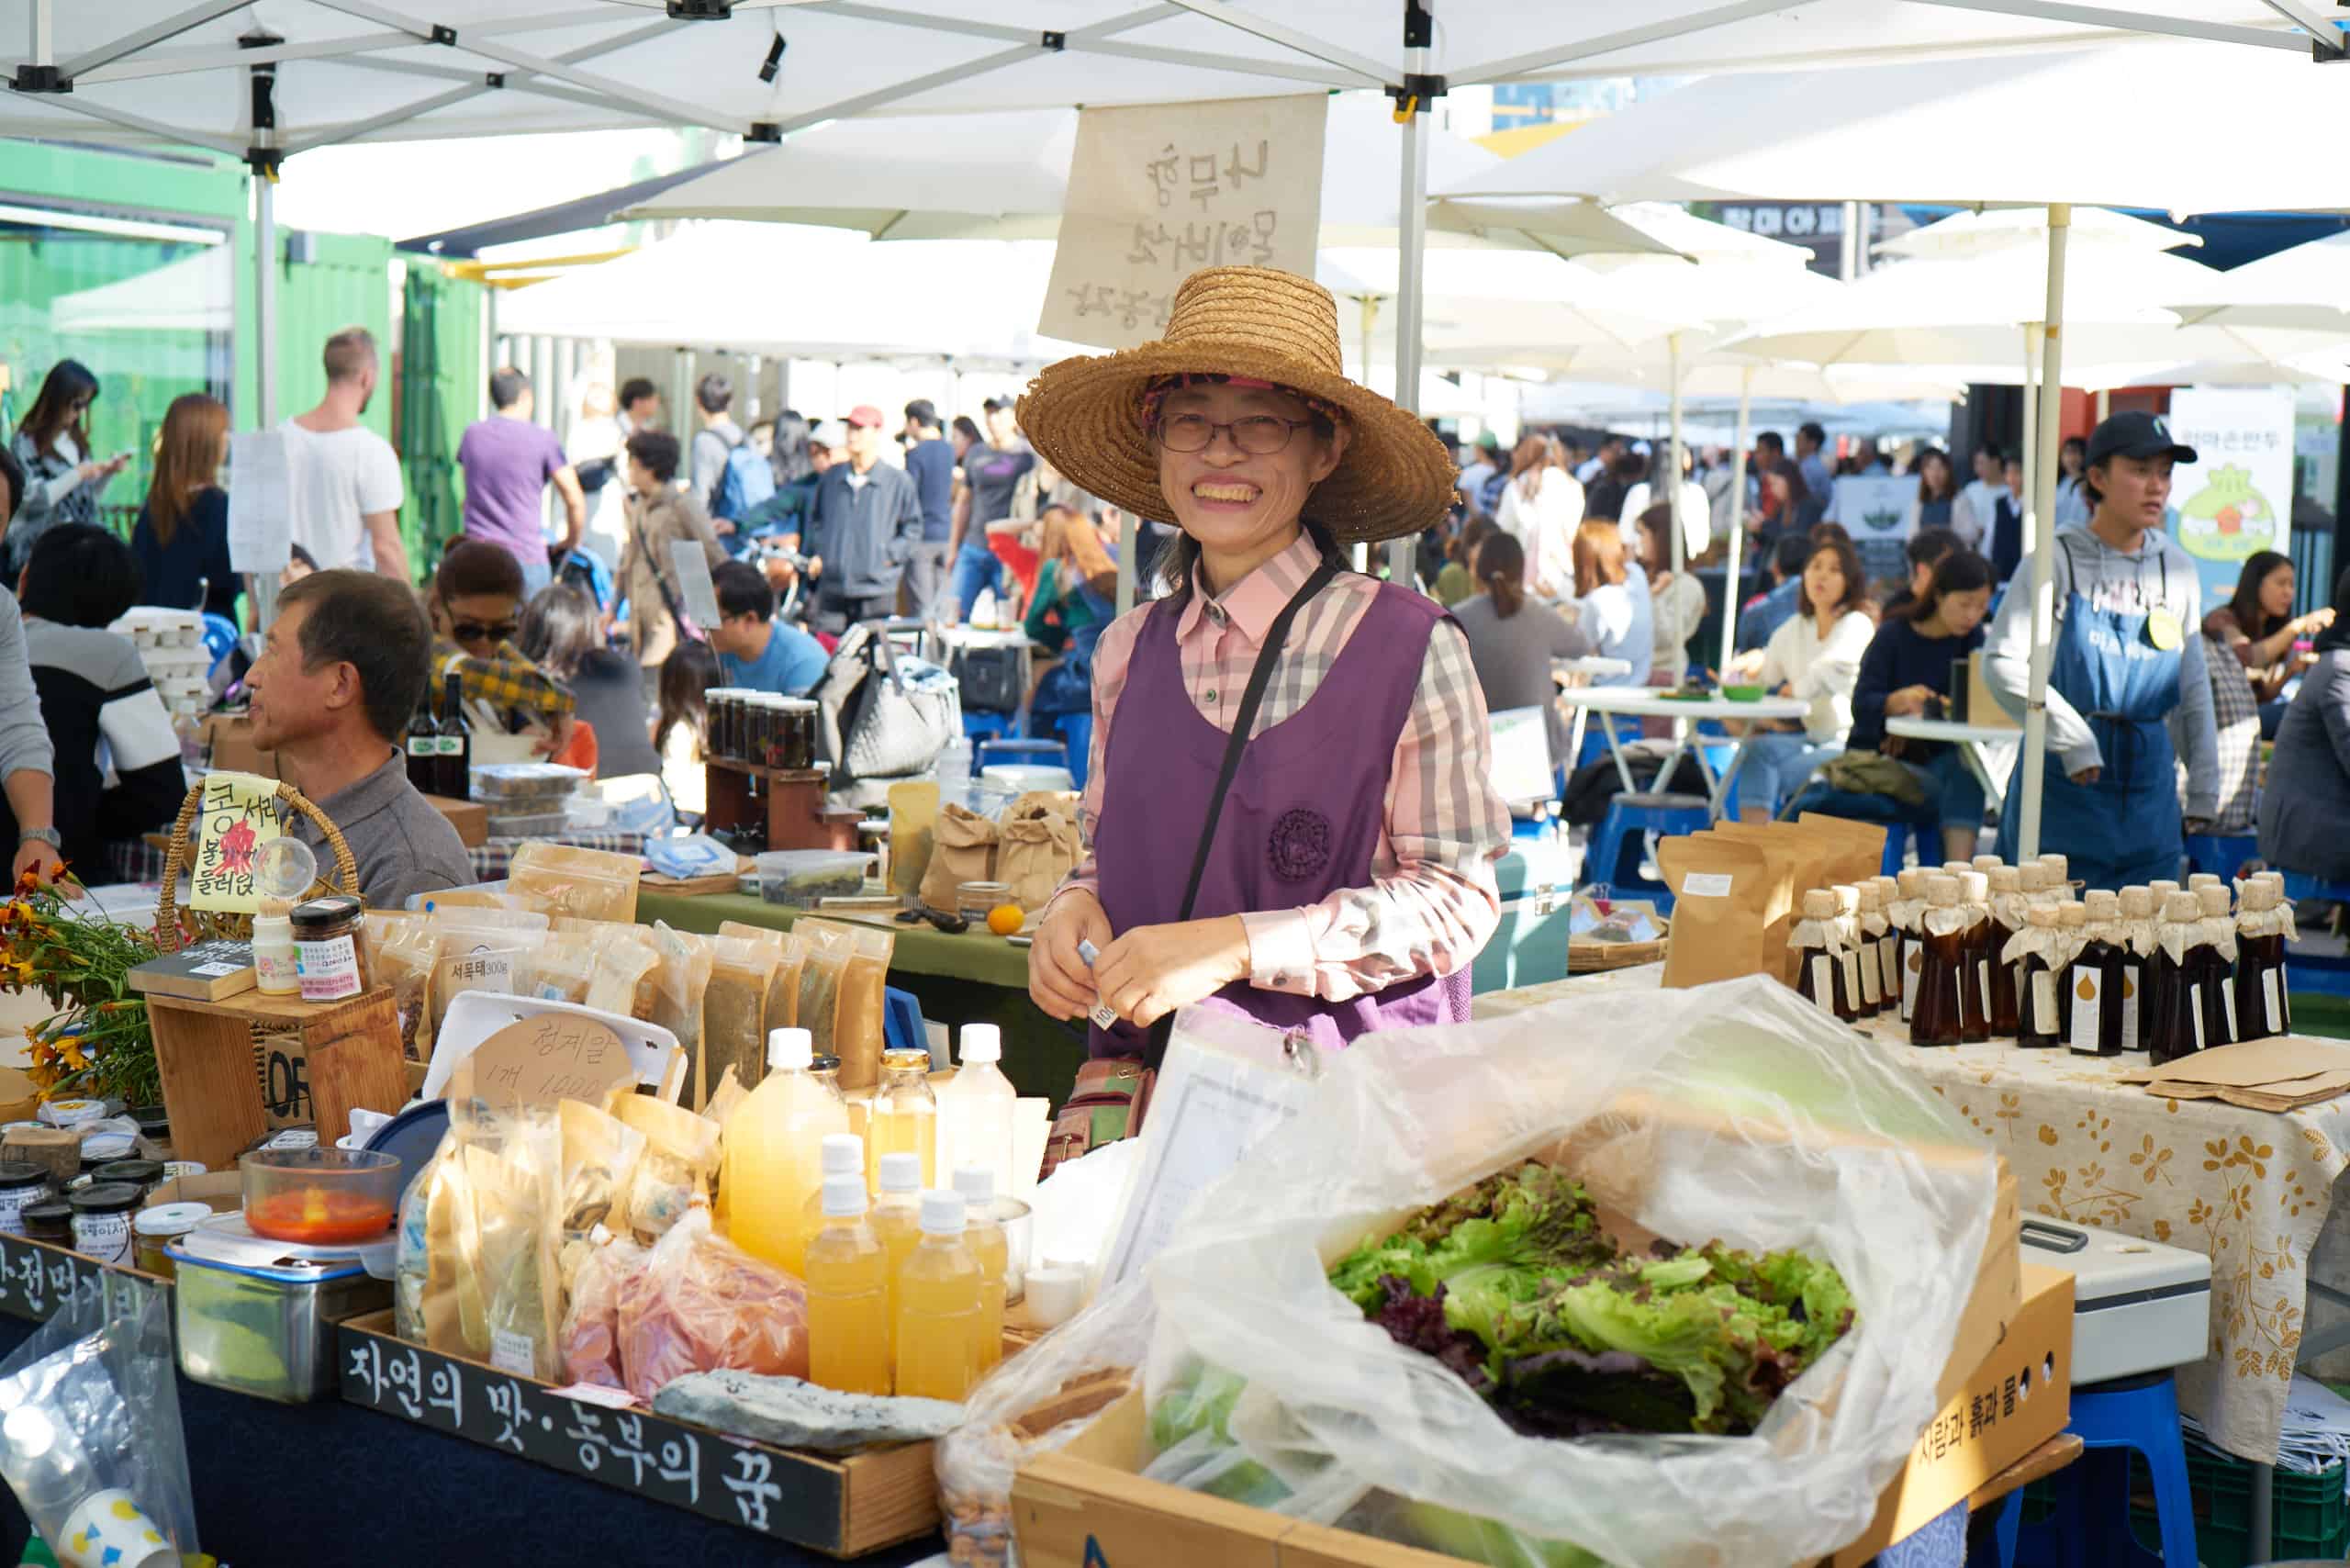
[28,761]
[2126,676]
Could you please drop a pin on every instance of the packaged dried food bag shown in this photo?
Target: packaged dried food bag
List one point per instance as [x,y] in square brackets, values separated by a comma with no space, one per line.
[621,967]
[1744,1115]
[702,1303]
[599,1158]
[1039,848]
[1796,862]
[562,971]
[733,1009]
[826,946]
[678,1165]
[860,1016]
[514,1193]
[590,1340]
[1723,891]
[591,884]
[404,960]
[1862,855]
[963,846]
[782,1009]
[682,983]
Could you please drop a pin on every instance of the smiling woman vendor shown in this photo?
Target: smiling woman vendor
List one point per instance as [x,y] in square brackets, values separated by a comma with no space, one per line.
[1288,809]
[2127,654]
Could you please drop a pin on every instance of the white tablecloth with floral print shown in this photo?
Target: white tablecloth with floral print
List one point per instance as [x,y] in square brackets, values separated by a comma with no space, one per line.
[2251,1189]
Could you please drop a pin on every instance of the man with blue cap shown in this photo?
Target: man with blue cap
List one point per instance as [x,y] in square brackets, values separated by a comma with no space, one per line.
[2126,672]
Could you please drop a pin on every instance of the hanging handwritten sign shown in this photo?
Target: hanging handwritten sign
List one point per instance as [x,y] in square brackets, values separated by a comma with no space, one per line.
[1158,191]
[237,815]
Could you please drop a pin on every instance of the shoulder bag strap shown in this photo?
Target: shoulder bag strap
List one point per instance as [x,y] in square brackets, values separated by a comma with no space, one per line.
[1260,678]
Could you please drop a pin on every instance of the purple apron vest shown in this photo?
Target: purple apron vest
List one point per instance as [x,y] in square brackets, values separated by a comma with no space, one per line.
[1301,822]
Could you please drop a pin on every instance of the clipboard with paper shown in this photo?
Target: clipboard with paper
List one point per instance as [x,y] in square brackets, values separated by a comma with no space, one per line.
[1226,1084]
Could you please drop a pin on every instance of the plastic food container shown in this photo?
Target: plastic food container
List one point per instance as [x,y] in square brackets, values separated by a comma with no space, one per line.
[801,879]
[522,783]
[321,1197]
[973,900]
[539,824]
[155,1229]
[258,1320]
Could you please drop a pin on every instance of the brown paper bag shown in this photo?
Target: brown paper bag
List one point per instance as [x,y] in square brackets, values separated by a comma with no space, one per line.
[1722,889]
[962,850]
[1037,853]
[1793,861]
[1862,854]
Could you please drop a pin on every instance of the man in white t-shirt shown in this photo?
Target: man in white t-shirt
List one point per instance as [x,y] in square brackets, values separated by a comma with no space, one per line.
[1978,504]
[344,480]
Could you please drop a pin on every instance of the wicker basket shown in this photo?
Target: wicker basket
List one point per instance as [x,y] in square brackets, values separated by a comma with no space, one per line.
[1593,958]
[207,924]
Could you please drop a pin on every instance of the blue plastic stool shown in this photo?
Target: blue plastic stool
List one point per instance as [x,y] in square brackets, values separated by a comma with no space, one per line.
[1044,751]
[1898,839]
[1629,817]
[1595,736]
[2091,1524]
[1077,733]
[902,1025]
[977,726]
[2221,856]
[2318,976]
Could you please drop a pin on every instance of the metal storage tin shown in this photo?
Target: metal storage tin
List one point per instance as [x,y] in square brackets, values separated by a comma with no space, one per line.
[266,1329]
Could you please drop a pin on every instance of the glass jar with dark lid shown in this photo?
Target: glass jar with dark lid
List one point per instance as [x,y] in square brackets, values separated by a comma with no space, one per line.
[142,1174]
[22,1184]
[758,728]
[795,741]
[51,1221]
[102,1220]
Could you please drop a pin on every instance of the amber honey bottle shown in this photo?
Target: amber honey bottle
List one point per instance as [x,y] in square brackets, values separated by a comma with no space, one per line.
[2260,964]
[2176,1029]
[1938,1018]
[1906,915]
[2032,954]
[2218,969]
[2093,979]
[1820,974]
[2006,924]
[2071,923]
[1869,930]
[1978,953]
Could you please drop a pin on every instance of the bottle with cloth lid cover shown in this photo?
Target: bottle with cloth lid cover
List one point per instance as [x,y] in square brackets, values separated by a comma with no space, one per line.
[1820,955]
[2217,905]
[2262,1008]
[2178,1027]
[1904,915]
[2032,954]
[2134,936]
[1937,1019]
[2093,978]
[2071,929]
[2006,906]
[1979,954]
[1869,928]
[775,1152]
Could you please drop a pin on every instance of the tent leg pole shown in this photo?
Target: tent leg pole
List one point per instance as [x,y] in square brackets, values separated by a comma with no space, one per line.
[1737,520]
[2030,456]
[1411,240]
[1670,479]
[265,300]
[2043,536]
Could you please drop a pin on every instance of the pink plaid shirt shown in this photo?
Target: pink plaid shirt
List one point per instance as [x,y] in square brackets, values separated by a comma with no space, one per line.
[1432,902]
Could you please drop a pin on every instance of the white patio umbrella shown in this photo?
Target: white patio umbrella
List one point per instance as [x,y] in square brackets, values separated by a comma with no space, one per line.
[1991,125]
[2306,287]
[1995,229]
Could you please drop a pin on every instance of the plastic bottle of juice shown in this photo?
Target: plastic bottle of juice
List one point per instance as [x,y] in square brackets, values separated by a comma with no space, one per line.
[938,1307]
[897,1215]
[975,1110]
[904,1116]
[843,1155]
[772,1152]
[977,1184]
[848,1294]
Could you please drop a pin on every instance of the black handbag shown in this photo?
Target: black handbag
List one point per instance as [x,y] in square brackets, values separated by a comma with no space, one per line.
[993,680]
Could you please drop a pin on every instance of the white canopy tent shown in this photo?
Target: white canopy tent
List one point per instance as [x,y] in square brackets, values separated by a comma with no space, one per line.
[1991,123]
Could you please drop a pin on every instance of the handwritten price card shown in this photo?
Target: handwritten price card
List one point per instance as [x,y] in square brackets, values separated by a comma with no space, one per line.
[1158,191]
[239,814]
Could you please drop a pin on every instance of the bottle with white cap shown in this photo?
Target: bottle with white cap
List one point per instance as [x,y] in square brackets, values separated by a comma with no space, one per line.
[976,1109]
[774,1161]
[841,1154]
[991,1247]
[897,1213]
[848,1291]
[938,1315]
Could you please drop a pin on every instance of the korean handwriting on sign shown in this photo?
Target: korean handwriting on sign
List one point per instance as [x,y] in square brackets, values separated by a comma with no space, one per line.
[1240,242]
[400,1375]
[753,1486]
[1131,307]
[1204,175]
[510,1413]
[238,814]
[677,1462]
[581,1046]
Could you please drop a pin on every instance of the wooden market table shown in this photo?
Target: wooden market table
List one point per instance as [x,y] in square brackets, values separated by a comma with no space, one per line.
[976,977]
[2250,1189]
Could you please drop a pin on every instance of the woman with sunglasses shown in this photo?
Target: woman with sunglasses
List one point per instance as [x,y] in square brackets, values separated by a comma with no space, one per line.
[63,483]
[1289,814]
[475,604]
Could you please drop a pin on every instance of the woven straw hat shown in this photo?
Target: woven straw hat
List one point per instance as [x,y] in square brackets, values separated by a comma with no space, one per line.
[1084,415]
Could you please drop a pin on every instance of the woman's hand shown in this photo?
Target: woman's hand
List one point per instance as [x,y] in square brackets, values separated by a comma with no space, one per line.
[2316,620]
[1059,983]
[723,526]
[1744,667]
[1908,700]
[1154,969]
[38,857]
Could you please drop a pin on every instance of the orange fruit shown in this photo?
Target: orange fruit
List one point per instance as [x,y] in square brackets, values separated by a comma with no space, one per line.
[1006,919]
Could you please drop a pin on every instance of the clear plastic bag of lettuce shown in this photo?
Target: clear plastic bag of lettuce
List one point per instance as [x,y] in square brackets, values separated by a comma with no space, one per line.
[1508,1364]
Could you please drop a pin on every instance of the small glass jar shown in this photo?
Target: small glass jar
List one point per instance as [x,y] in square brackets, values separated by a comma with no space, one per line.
[973,900]
[904,1118]
[717,711]
[102,1214]
[330,948]
[22,1184]
[50,1220]
[758,727]
[795,736]
[144,1174]
[157,1228]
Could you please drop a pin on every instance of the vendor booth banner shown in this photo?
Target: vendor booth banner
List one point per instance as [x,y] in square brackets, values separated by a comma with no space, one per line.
[1875,512]
[237,815]
[2237,500]
[1158,191]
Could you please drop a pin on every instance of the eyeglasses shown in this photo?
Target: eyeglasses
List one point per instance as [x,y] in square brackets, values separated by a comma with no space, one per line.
[474,632]
[1258,435]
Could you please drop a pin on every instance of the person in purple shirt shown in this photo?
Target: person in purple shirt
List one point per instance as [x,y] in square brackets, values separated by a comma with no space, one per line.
[507,463]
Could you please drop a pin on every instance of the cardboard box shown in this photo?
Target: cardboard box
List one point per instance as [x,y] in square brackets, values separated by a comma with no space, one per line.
[1087,1503]
[229,737]
[1979,707]
[2016,1398]
[470,818]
